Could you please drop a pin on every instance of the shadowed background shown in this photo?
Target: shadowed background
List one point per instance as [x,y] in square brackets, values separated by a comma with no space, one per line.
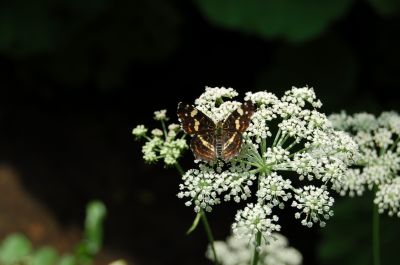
[77,76]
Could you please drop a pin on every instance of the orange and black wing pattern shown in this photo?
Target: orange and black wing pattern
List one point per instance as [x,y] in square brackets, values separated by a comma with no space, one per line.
[233,127]
[239,120]
[232,142]
[193,120]
[202,128]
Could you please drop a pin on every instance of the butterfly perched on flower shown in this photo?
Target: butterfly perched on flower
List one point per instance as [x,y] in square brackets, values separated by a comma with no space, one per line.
[212,140]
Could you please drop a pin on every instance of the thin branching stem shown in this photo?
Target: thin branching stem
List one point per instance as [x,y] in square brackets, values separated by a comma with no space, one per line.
[206,225]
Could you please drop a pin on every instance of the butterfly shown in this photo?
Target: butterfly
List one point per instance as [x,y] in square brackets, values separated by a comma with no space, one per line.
[211,140]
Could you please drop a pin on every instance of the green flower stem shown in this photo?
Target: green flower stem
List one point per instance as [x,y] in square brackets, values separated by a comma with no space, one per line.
[277,136]
[209,235]
[179,168]
[375,235]
[204,220]
[164,129]
[256,253]
[391,148]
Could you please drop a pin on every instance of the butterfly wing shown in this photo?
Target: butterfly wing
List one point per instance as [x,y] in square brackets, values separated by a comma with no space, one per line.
[203,146]
[202,128]
[239,120]
[193,120]
[233,127]
[232,144]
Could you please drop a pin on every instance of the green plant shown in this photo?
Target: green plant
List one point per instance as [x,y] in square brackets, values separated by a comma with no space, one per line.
[17,249]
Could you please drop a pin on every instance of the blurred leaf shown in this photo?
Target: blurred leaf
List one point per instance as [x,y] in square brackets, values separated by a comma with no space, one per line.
[386,7]
[14,248]
[44,256]
[296,21]
[95,214]
[67,260]
[327,64]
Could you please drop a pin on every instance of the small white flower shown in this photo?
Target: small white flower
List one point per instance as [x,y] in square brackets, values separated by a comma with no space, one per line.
[274,190]
[205,186]
[150,149]
[352,183]
[388,198]
[314,205]
[160,115]
[238,251]
[253,219]
[378,164]
[157,132]
[139,131]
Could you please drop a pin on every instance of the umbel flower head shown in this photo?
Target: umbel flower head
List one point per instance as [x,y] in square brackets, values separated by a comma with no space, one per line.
[167,143]
[379,162]
[290,150]
[238,251]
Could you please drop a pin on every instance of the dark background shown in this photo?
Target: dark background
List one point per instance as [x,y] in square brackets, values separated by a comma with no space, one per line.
[77,76]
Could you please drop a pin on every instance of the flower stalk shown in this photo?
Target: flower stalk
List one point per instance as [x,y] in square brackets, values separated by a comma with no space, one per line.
[375,235]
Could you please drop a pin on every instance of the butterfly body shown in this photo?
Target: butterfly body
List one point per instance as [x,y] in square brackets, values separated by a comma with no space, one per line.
[211,140]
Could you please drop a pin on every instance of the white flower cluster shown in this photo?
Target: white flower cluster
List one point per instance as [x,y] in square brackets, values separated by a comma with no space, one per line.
[163,144]
[286,137]
[315,204]
[379,162]
[203,186]
[211,104]
[238,251]
[255,218]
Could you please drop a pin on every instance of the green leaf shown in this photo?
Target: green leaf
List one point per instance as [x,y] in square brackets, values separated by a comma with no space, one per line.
[44,256]
[194,224]
[295,21]
[14,248]
[95,214]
